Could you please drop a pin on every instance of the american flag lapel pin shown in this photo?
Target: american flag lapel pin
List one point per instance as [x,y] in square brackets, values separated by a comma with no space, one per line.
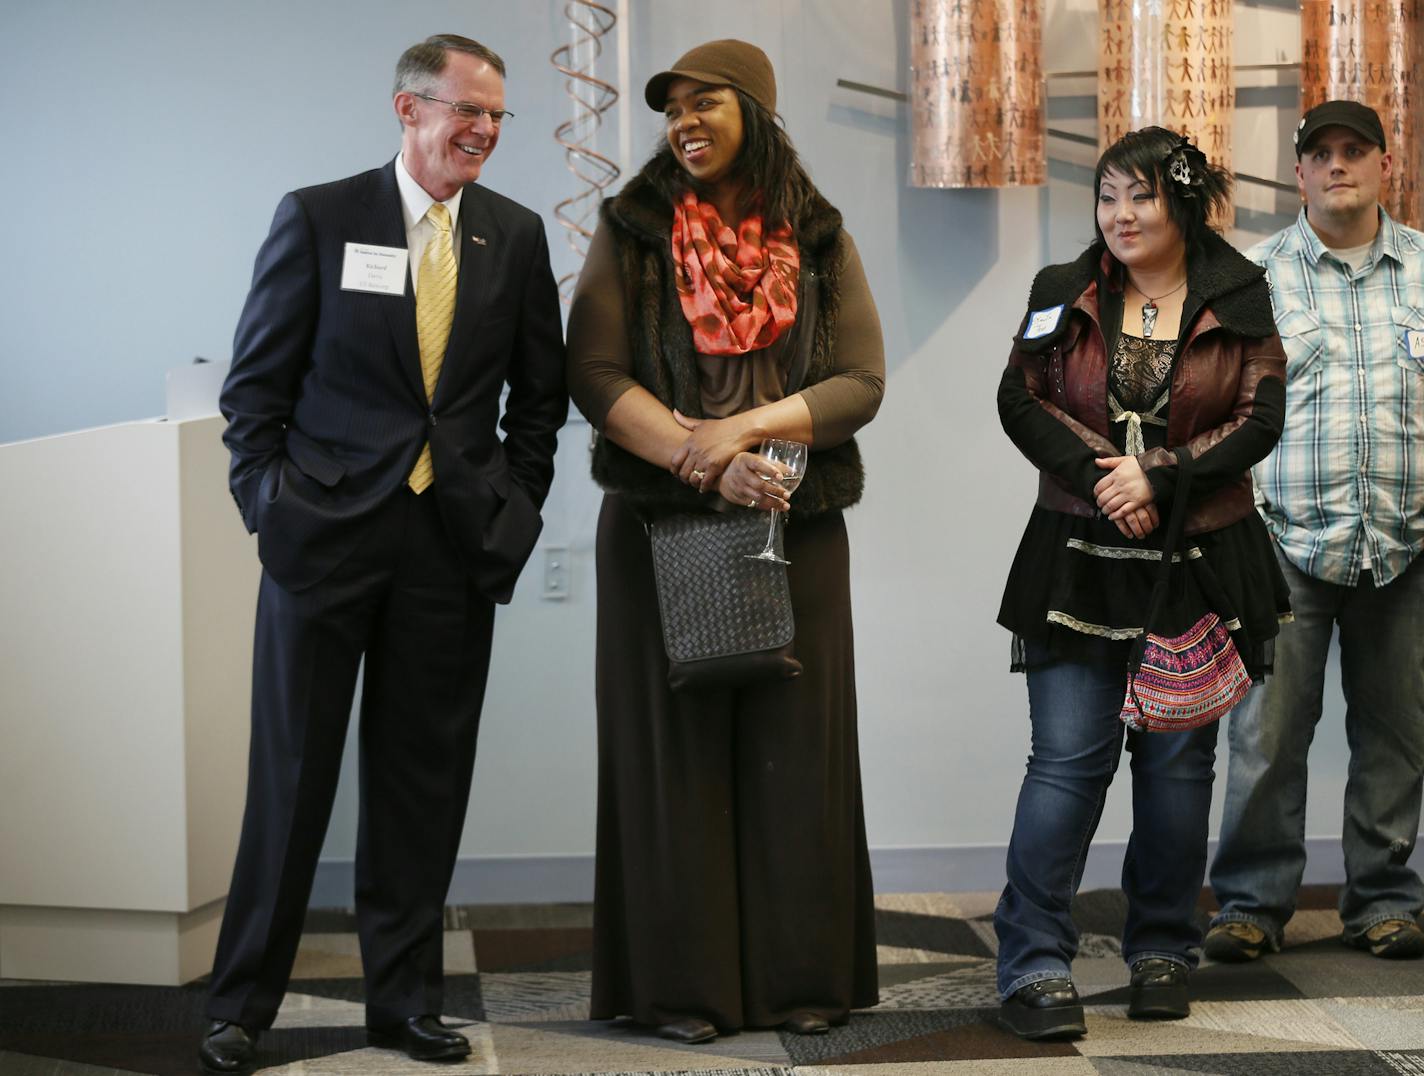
[478,239]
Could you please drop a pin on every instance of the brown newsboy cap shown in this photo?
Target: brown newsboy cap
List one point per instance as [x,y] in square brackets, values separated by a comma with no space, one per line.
[1361,119]
[727,62]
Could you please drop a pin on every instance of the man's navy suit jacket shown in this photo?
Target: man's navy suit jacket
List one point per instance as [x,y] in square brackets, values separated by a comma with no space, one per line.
[326,403]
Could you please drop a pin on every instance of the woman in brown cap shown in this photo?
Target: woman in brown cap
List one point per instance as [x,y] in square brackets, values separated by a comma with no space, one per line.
[722,303]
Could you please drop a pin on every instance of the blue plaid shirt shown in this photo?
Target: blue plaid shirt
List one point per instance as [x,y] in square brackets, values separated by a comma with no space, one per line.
[1346,479]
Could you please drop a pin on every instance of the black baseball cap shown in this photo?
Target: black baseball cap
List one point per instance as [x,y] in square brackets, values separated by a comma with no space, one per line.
[1361,119]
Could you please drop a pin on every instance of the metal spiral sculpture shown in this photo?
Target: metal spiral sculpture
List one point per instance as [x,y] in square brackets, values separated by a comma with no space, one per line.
[591,98]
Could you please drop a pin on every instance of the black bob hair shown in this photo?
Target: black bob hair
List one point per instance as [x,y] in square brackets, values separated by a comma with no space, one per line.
[1150,153]
[768,169]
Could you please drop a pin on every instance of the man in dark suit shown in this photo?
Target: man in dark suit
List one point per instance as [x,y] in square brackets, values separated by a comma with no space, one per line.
[387,313]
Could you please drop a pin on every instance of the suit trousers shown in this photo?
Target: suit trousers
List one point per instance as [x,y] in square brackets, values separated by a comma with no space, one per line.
[403,602]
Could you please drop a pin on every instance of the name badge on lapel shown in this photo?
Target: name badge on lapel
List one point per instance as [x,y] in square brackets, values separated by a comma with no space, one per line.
[1416,343]
[379,270]
[1043,322]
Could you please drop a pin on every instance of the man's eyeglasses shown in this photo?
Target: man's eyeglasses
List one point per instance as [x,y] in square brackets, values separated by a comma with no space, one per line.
[467,111]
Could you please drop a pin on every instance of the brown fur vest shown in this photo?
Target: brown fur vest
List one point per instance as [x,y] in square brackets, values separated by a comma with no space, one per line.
[660,341]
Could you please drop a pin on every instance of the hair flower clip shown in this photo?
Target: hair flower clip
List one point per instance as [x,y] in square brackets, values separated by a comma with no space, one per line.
[1185,166]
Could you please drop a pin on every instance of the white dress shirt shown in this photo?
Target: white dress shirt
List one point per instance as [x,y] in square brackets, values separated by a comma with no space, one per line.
[415,203]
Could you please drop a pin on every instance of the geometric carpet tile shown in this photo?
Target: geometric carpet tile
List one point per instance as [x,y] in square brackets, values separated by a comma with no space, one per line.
[945,905]
[530,996]
[29,1065]
[1219,1028]
[1258,981]
[542,949]
[1313,925]
[1339,1063]
[611,1038]
[937,934]
[539,1048]
[1379,1023]
[968,986]
[463,998]
[892,975]
[1329,969]
[876,1038]
[172,1053]
[338,955]
[1017,1066]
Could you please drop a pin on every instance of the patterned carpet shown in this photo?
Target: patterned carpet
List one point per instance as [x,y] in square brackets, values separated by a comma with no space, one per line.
[518,980]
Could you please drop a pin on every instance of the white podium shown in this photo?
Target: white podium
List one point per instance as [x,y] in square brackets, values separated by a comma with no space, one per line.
[127,595]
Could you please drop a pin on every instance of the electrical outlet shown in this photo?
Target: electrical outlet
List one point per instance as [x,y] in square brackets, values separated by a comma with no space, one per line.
[556,573]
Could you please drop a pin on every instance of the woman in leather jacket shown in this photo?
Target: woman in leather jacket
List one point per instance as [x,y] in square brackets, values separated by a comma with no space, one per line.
[1154,351]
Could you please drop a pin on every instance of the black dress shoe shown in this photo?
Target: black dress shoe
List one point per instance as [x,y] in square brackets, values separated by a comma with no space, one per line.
[806,1022]
[1047,1009]
[423,1038]
[1159,990]
[689,1030]
[227,1047]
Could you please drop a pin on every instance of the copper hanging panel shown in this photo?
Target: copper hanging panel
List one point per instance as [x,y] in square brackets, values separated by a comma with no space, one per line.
[1167,63]
[1371,51]
[976,76]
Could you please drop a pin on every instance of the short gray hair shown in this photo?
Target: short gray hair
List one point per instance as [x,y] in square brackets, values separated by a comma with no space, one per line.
[421,65]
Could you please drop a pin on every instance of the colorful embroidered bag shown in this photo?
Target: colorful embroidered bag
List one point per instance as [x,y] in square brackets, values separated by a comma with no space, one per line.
[1190,679]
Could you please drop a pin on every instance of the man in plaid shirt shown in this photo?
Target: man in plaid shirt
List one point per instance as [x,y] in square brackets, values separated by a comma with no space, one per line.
[1343,496]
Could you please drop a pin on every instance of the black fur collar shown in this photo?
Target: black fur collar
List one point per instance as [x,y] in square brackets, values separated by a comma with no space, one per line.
[641,210]
[1232,286]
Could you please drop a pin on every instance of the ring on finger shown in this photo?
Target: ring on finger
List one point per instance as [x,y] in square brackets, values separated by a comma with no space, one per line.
[752,503]
[699,475]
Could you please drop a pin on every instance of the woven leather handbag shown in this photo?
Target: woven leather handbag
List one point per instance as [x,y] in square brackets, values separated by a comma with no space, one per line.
[726,619]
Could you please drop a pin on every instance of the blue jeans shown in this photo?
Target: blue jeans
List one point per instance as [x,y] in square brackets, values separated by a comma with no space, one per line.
[1077,740]
[1261,856]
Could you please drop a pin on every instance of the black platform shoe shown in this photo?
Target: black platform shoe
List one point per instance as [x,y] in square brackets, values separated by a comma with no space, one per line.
[1047,1009]
[1159,990]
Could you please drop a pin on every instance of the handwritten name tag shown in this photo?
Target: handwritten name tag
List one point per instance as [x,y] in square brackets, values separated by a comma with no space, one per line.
[1043,322]
[367,267]
[1416,343]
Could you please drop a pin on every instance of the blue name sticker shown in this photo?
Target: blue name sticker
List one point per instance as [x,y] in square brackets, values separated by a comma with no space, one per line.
[1043,322]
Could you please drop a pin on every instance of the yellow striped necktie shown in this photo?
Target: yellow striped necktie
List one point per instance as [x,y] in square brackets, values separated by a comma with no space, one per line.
[434,310]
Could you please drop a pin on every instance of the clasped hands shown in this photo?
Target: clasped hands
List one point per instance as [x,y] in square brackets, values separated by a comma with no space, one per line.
[712,457]
[1125,496]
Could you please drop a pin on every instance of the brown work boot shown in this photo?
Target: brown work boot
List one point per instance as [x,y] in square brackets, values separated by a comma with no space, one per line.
[1235,942]
[1394,939]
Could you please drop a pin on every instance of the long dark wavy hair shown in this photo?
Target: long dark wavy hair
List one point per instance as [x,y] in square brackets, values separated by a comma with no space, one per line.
[1151,153]
[767,168]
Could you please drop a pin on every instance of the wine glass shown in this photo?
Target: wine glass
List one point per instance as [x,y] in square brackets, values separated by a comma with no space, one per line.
[791,455]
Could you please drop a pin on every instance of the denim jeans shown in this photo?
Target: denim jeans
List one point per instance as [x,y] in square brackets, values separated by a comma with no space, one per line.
[1261,856]
[1077,740]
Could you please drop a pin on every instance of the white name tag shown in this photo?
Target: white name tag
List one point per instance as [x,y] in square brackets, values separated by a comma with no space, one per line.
[375,269]
[1043,322]
[1416,343]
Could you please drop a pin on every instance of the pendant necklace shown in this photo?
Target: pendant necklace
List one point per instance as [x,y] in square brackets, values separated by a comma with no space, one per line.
[1149,308]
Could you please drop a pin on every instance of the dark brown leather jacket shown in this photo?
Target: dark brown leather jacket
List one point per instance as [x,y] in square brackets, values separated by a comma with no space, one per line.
[1227,403]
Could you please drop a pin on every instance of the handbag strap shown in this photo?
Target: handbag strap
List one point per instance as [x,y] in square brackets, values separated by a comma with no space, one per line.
[1171,546]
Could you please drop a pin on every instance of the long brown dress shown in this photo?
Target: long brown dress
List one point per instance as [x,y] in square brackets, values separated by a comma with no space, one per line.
[733,879]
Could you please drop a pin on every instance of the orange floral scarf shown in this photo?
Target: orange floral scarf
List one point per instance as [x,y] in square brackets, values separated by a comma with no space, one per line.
[738,290]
